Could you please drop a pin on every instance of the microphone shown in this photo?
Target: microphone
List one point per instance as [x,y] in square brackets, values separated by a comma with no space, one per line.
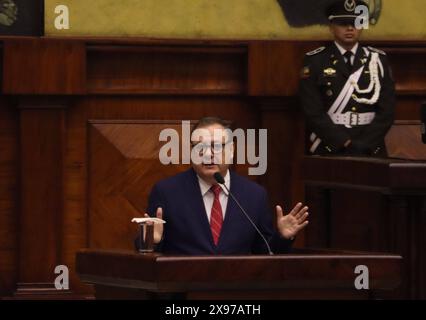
[423,119]
[219,179]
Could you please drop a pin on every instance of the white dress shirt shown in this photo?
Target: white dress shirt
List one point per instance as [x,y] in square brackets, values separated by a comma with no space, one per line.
[343,51]
[208,196]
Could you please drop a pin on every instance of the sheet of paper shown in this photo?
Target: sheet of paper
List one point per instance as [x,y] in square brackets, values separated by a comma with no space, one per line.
[144,220]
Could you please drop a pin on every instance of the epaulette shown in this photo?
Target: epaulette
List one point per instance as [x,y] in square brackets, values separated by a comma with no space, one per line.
[377,50]
[316,51]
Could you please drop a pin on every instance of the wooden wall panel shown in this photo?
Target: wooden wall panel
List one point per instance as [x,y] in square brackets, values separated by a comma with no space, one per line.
[285,125]
[9,205]
[409,73]
[124,158]
[75,192]
[43,66]
[82,115]
[404,141]
[274,67]
[408,107]
[421,244]
[166,70]
[408,68]
[1,66]
[109,85]
[41,151]
[353,225]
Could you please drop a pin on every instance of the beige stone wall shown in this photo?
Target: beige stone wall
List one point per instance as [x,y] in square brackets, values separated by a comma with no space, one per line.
[225,19]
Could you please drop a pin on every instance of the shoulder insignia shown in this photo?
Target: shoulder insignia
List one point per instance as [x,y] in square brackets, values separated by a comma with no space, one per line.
[377,50]
[316,51]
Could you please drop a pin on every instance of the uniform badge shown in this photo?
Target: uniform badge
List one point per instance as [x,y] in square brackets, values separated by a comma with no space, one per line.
[329,72]
[306,72]
[350,5]
[364,60]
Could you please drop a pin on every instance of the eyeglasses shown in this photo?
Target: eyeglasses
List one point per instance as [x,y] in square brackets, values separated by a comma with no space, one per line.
[215,147]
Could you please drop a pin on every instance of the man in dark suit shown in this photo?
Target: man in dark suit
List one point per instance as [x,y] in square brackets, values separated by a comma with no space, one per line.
[201,219]
[347,91]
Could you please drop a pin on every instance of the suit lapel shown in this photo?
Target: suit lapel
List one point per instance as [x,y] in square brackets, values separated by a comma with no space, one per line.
[198,208]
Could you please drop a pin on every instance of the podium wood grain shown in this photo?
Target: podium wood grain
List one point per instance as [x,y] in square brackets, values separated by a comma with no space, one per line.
[303,274]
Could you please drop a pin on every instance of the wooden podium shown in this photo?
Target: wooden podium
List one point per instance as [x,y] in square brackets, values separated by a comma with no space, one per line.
[304,274]
[370,204]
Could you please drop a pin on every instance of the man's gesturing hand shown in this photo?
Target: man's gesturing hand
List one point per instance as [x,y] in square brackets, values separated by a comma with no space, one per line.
[289,225]
[158,227]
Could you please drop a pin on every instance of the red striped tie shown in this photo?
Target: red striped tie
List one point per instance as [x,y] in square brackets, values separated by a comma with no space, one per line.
[216,217]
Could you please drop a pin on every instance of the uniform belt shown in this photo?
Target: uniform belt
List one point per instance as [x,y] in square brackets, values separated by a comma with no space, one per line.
[353,119]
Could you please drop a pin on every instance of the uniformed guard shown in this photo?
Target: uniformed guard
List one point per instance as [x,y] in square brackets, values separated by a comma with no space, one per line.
[346,90]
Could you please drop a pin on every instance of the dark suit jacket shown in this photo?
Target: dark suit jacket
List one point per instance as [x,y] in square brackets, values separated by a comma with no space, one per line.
[187,229]
[318,91]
